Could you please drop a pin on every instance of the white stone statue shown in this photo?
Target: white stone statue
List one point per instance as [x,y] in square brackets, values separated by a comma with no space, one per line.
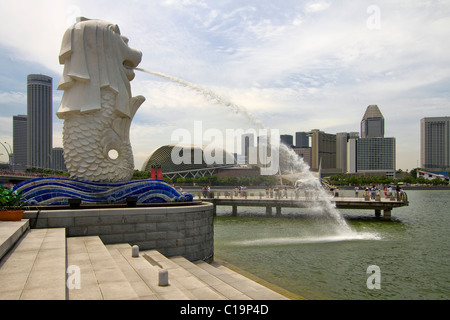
[97,106]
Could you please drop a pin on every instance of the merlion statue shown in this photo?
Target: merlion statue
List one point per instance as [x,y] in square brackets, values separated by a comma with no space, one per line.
[97,106]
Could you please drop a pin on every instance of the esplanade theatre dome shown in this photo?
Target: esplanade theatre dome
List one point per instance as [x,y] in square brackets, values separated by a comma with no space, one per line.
[177,158]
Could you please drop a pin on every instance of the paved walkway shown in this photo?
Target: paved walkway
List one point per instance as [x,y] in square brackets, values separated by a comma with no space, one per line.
[44,264]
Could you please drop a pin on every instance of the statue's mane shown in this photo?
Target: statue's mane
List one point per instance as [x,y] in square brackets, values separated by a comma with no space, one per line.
[91,52]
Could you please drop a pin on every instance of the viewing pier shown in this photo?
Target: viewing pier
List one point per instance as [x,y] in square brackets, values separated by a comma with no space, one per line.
[380,204]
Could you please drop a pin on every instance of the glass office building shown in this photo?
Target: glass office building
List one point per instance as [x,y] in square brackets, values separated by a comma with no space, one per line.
[435,143]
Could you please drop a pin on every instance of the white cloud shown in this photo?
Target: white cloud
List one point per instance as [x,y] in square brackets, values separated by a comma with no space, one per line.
[34,28]
[317,6]
[294,65]
[13,97]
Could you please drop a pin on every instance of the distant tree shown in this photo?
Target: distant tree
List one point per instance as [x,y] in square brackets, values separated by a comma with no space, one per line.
[438,182]
[139,175]
[409,179]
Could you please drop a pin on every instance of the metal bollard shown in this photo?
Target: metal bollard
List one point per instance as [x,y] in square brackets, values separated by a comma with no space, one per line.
[135,251]
[163,278]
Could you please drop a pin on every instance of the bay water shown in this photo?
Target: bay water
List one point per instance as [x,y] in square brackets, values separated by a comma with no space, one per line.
[308,256]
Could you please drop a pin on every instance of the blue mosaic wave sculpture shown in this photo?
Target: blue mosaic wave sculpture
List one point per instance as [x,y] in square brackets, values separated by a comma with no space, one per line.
[57,191]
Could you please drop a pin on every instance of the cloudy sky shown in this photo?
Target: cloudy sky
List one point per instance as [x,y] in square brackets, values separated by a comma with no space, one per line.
[294,65]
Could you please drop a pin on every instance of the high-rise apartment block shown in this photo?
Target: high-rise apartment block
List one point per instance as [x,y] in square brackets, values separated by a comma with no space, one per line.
[40,115]
[435,143]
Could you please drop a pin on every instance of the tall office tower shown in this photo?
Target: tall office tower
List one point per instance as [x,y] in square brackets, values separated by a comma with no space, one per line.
[40,114]
[301,140]
[435,143]
[372,124]
[323,150]
[247,143]
[20,128]
[375,154]
[287,139]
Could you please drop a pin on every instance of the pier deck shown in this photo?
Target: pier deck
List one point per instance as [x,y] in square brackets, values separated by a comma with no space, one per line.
[379,204]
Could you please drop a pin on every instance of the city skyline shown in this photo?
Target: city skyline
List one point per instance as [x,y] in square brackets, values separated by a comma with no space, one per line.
[296,65]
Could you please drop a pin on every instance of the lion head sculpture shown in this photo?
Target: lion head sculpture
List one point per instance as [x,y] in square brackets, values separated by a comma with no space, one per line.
[95,55]
[97,105]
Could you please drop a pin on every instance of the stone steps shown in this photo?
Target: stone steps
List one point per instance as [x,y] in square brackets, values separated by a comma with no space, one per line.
[34,268]
[191,285]
[227,290]
[101,277]
[229,284]
[246,286]
[10,233]
[43,264]
[144,275]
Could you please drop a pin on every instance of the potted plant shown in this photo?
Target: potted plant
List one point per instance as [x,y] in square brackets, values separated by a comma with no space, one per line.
[11,205]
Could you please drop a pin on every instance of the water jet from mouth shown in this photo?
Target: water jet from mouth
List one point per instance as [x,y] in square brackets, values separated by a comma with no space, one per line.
[297,168]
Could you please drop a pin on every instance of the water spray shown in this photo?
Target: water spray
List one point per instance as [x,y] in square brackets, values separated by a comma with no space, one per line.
[300,166]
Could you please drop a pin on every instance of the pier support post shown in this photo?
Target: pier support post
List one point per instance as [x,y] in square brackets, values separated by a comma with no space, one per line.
[377,213]
[278,210]
[268,210]
[234,211]
[387,214]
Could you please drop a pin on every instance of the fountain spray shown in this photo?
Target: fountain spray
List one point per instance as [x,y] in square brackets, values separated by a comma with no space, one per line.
[322,203]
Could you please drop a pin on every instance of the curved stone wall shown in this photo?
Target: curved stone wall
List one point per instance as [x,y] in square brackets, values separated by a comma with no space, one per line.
[172,230]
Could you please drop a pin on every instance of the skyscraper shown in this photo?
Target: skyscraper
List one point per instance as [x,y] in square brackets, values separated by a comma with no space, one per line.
[248,142]
[20,128]
[287,139]
[375,154]
[301,140]
[323,150]
[342,139]
[58,159]
[40,114]
[435,143]
[372,124]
